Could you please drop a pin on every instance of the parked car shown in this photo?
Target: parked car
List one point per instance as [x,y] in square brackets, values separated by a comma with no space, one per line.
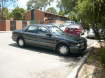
[102,33]
[62,27]
[66,24]
[70,22]
[74,29]
[51,37]
[90,33]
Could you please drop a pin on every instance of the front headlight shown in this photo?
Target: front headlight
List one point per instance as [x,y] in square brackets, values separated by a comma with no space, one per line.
[75,44]
[78,45]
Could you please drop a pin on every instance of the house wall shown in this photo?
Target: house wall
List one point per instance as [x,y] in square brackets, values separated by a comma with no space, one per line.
[43,17]
[59,21]
[46,21]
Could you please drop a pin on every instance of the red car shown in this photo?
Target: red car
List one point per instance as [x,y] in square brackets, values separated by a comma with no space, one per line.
[74,29]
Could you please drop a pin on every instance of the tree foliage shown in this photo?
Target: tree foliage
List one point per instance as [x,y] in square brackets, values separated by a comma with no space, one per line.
[18,13]
[37,4]
[92,12]
[66,5]
[4,8]
[62,13]
[88,12]
[52,10]
[5,14]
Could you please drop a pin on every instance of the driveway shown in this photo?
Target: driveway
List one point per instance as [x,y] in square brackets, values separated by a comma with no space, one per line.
[31,62]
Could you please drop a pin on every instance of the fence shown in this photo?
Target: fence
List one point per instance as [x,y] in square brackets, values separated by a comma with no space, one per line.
[9,25]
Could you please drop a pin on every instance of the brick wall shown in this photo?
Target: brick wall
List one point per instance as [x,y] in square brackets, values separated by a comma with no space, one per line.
[6,25]
[19,25]
[2,25]
[28,15]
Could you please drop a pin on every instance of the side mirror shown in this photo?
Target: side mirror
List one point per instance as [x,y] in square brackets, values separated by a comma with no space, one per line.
[48,34]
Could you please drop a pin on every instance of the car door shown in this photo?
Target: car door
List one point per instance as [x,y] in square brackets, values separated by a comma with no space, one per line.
[30,35]
[44,39]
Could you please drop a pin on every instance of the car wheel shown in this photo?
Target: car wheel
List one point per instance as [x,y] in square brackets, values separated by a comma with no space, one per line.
[63,49]
[20,42]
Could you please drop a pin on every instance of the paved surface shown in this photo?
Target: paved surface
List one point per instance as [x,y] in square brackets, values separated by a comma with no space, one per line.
[31,62]
[91,42]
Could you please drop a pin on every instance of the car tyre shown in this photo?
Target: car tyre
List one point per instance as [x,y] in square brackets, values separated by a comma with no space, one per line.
[63,49]
[21,42]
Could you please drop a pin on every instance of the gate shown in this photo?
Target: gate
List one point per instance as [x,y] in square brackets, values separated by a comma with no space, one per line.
[12,25]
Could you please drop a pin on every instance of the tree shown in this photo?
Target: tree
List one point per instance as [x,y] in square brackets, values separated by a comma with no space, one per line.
[92,12]
[4,5]
[62,13]
[52,10]
[5,13]
[73,16]
[89,12]
[66,5]
[18,13]
[37,4]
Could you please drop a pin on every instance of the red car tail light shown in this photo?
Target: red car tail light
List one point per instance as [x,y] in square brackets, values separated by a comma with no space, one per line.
[77,30]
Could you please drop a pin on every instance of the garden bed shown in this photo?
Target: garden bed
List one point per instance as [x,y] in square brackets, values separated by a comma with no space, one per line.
[94,67]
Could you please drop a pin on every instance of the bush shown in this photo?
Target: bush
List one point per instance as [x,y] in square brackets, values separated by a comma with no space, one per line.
[102,50]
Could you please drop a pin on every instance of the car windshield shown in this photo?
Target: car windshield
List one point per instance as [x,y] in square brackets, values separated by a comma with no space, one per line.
[56,31]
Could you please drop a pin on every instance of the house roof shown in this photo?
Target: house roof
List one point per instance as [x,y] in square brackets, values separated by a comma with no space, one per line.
[53,14]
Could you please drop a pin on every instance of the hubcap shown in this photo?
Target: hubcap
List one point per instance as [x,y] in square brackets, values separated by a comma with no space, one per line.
[63,50]
[21,43]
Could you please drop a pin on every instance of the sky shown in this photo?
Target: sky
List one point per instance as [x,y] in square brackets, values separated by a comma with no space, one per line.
[12,5]
[23,3]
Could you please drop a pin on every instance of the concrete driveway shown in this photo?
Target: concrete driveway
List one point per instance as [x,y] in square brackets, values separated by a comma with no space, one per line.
[31,62]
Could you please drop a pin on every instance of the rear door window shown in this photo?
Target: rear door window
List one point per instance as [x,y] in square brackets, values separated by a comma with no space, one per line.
[32,29]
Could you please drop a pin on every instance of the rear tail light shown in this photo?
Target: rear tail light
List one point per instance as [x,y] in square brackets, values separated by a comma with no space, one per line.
[78,30]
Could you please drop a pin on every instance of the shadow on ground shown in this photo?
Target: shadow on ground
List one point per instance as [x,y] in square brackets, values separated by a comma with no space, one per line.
[74,57]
